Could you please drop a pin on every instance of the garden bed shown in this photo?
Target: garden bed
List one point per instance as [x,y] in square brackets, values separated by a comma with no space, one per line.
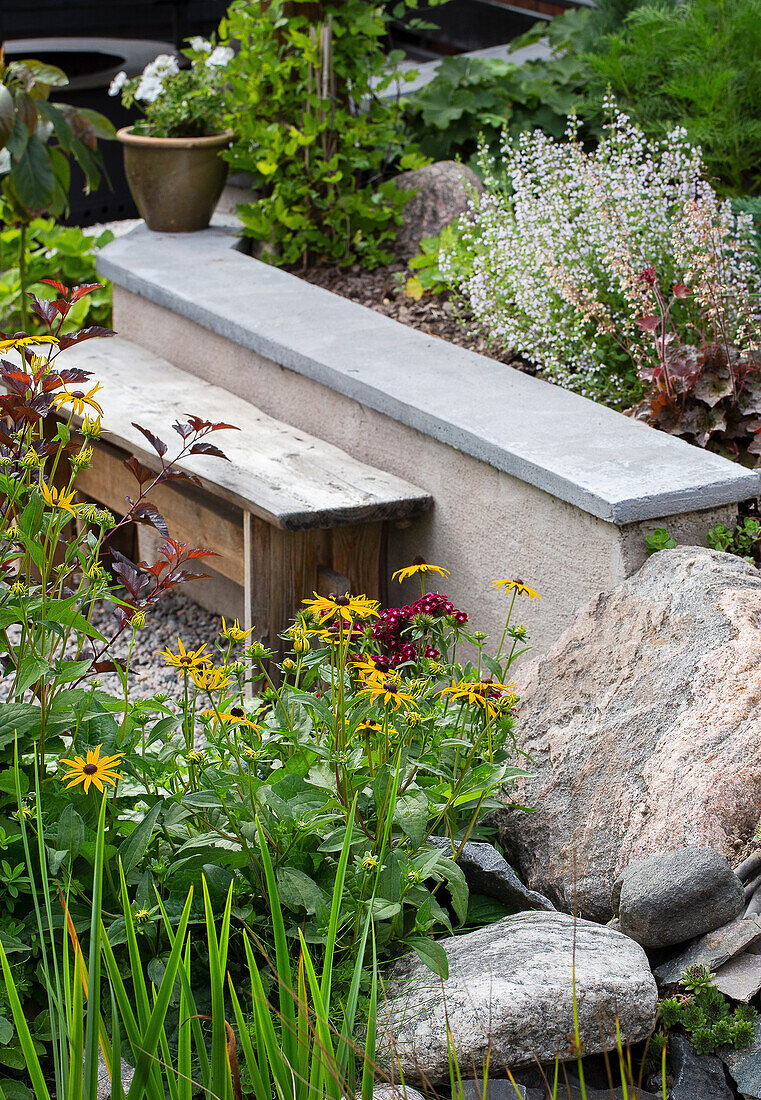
[383,291]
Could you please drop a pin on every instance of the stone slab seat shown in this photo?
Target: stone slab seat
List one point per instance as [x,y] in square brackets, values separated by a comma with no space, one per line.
[287,514]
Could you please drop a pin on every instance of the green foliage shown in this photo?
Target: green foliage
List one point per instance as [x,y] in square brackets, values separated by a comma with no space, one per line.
[472,99]
[312,132]
[743,540]
[692,65]
[38,139]
[66,249]
[659,539]
[705,1014]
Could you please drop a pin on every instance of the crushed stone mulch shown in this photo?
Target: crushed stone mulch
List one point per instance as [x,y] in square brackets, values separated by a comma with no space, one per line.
[435,314]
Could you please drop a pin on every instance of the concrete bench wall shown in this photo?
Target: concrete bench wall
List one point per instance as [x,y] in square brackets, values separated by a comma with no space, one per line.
[528,480]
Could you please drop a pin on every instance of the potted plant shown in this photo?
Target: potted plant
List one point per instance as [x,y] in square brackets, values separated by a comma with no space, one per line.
[171,155]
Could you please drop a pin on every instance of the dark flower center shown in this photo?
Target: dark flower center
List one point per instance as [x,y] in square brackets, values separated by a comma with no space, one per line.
[391,687]
[186,660]
[342,601]
[419,561]
[238,712]
[90,769]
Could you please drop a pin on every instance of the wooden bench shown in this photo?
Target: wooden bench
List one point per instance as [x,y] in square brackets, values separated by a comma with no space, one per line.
[288,515]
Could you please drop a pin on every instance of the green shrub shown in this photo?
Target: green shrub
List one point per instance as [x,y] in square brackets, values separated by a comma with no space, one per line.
[693,65]
[705,1014]
[65,249]
[312,132]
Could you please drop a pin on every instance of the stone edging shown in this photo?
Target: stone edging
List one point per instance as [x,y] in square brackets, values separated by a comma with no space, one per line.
[583,453]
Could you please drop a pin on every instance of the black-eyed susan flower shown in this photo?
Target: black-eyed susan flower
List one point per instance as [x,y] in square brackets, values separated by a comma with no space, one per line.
[481,693]
[419,565]
[370,725]
[235,632]
[518,587]
[186,659]
[26,341]
[79,400]
[93,770]
[210,679]
[58,498]
[345,607]
[388,692]
[236,716]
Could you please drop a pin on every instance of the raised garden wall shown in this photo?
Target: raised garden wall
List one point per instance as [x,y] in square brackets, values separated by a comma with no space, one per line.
[528,480]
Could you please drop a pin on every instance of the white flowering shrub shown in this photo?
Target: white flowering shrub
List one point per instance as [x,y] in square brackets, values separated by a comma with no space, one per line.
[550,258]
[189,102]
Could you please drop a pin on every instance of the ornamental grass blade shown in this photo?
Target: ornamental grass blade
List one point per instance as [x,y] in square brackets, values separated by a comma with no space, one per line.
[33,1066]
[76,1042]
[335,910]
[142,1001]
[146,1062]
[90,1089]
[221,1083]
[283,971]
[259,1074]
[117,1089]
[185,1032]
[324,1076]
[194,1016]
[368,1063]
[279,1068]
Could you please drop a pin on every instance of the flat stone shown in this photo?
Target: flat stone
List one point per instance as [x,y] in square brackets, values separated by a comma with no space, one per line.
[696,1076]
[674,896]
[592,457]
[487,872]
[498,1089]
[712,950]
[745,1065]
[740,978]
[642,726]
[396,1092]
[510,994]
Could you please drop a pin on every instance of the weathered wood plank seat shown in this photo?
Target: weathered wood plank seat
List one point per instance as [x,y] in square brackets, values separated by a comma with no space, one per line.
[288,514]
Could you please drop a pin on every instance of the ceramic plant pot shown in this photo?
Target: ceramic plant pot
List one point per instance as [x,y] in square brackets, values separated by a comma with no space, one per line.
[175,182]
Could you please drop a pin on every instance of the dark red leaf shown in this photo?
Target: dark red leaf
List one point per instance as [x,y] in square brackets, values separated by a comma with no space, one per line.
[140,472]
[207,449]
[158,444]
[63,290]
[83,289]
[146,513]
[90,333]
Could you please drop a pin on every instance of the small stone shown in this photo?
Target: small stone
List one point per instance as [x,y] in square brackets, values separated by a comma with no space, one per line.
[745,1065]
[674,896]
[396,1092]
[487,872]
[509,994]
[740,978]
[497,1089]
[712,950]
[696,1076]
[441,194]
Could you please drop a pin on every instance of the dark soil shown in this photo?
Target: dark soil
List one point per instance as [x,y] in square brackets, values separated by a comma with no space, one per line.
[437,315]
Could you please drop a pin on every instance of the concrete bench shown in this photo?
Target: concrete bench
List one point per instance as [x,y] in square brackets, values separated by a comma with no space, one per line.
[288,514]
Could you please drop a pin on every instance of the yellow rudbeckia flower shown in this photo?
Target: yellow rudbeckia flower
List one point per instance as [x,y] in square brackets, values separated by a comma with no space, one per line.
[93,771]
[518,587]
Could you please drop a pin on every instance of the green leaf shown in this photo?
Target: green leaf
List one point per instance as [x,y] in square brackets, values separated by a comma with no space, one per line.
[431,954]
[297,889]
[33,177]
[71,832]
[6,1030]
[15,1090]
[7,115]
[31,669]
[136,844]
[411,814]
[17,718]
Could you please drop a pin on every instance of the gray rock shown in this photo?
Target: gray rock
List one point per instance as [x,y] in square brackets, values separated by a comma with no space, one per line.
[487,872]
[712,950]
[674,896]
[745,1065]
[104,1080]
[695,1075]
[740,978]
[498,1090]
[510,993]
[396,1092]
[441,195]
[642,725]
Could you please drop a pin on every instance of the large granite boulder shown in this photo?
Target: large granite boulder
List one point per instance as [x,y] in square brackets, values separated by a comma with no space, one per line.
[674,896]
[644,727]
[510,992]
[440,193]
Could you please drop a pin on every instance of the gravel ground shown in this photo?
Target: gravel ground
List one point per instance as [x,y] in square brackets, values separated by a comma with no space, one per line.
[173,616]
[437,315]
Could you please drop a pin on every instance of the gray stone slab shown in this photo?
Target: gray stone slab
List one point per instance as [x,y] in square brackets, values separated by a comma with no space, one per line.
[696,1076]
[740,978]
[712,950]
[487,872]
[617,469]
[745,1065]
